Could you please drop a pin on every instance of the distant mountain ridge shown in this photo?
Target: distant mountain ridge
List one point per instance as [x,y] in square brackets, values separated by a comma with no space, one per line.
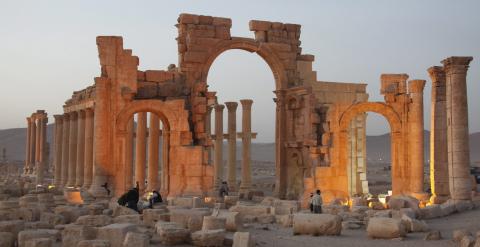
[378,147]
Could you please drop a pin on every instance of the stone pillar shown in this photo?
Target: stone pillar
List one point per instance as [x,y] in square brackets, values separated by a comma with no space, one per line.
[208,129]
[460,181]
[438,137]
[416,128]
[65,148]
[27,146]
[129,154]
[42,162]
[280,150]
[38,140]
[80,149]
[88,157]
[72,149]
[246,136]
[232,145]
[58,150]
[165,164]
[33,142]
[140,150]
[153,141]
[218,162]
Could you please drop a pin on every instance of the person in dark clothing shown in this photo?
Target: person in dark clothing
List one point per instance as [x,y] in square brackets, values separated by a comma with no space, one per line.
[156,198]
[130,199]
[106,188]
[311,203]
[223,191]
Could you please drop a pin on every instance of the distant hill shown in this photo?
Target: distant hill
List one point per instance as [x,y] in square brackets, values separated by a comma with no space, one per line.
[378,147]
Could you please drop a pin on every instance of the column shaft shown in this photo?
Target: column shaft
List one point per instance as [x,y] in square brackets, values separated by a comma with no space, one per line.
[43,143]
[33,136]
[80,149]
[460,181]
[416,128]
[218,162]
[65,148]
[27,146]
[72,149]
[58,150]
[140,149]
[88,158]
[129,155]
[38,140]
[246,183]
[153,142]
[232,145]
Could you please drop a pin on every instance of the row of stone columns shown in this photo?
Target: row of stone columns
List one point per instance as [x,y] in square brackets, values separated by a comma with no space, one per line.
[246,135]
[36,155]
[74,149]
[449,137]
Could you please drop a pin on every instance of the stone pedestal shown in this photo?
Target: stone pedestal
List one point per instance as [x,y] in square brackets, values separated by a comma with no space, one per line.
[415,124]
[232,145]
[457,127]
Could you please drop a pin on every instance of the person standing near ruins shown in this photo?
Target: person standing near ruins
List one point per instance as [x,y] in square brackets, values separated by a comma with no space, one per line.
[317,203]
[223,191]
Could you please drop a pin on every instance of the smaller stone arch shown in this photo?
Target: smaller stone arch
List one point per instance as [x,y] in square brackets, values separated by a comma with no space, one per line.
[378,107]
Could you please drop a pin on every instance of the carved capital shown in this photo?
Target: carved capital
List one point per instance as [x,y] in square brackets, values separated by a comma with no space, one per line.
[456,65]
[231,106]
[437,74]
[416,86]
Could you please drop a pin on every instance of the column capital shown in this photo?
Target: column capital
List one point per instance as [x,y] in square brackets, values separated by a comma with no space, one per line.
[231,106]
[456,65]
[246,103]
[58,118]
[81,113]
[29,120]
[416,86]
[219,107]
[437,74]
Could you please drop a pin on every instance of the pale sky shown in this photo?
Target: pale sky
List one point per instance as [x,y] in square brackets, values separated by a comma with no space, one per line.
[48,48]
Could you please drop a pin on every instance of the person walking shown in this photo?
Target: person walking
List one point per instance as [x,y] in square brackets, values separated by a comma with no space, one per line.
[223,191]
[317,203]
[311,202]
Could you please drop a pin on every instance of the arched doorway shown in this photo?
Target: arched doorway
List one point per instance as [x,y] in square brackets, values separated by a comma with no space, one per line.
[398,167]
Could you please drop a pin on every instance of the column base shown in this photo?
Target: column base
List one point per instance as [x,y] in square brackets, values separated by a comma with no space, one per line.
[438,199]
[421,196]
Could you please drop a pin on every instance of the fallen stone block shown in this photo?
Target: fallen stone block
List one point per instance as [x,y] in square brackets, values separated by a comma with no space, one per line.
[94,243]
[38,225]
[386,228]
[51,218]
[152,216]
[448,208]
[26,235]
[95,209]
[433,235]
[284,220]
[463,205]
[29,214]
[213,223]
[70,213]
[7,239]
[233,221]
[171,233]
[206,238]
[121,210]
[191,219]
[317,224]
[458,235]
[266,219]
[94,220]
[12,226]
[467,241]
[39,242]
[72,234]
[115,233]
[134,219]
[256,210]
[243,239]
[134,239]
[230,201]
[431,212]
[283,207]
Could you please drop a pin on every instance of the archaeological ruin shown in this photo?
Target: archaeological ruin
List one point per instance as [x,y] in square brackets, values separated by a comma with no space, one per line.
[154,127]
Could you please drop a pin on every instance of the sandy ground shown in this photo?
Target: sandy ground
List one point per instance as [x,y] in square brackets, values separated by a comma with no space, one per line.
[283,237]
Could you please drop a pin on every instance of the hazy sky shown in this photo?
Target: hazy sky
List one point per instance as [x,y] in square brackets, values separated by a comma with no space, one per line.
[48,48]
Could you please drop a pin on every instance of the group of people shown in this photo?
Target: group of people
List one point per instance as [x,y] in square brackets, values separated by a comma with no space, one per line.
[131,198]
[316,202]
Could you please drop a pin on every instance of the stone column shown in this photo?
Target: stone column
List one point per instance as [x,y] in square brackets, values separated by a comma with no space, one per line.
[153,141]
[460,181]
[208,129]
[246,135]
[165,164]
[72,150]
[88,158]
[27,145]
[438,137]
[42,122]
[140,149]
[129,154]
[232,145]
[38,140]
[33,143]
[80,149]
[218,162]
[416,128]
[58,150]
[65,148]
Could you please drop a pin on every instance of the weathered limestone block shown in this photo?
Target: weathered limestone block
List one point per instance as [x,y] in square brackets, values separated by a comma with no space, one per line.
[186,202]
[458,235]
[94,220]
[413,225]
[70,213]
[121,210]
[385,228]
[72,234]
[467,241]
[255,210]
[26,200]
[206,238]
[230,201]
[7,239]
[243,239]
[134,219]
[398,202]
[39,242]
[284,220]
[172,233]
[463,205]
[317,224]
[95,209]
[9,204]
[432,211]
[448,208]
[335,209]
[213,223]
[26,235]
[29,214]
[38,225]
[12,226]
[191,219]
[433,235]
[282,207]
[115,233]
[52,219]
[265,219]
[152,216]
[134,239]
[94,243]
[383,213]
[233,221]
